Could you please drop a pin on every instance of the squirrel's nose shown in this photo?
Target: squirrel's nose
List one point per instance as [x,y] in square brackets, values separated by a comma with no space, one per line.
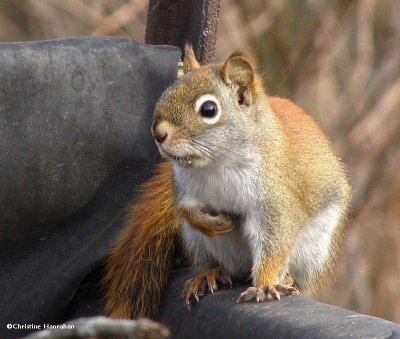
[160,136]
[159,133]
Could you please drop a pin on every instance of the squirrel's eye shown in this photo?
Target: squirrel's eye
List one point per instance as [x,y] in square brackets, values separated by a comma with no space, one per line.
[209,109]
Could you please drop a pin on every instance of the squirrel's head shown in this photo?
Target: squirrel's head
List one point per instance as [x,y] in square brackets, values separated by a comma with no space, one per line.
[207,115]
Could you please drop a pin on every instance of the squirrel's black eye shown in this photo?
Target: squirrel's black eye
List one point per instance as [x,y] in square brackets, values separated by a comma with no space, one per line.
[208,109]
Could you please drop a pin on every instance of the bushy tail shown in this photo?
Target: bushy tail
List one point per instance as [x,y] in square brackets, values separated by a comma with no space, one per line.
[139,265]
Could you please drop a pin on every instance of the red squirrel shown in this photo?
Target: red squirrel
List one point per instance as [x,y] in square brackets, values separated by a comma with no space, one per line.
[251,186]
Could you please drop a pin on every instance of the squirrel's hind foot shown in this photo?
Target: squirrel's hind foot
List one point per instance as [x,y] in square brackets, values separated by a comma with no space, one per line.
[267,292]
[198,286]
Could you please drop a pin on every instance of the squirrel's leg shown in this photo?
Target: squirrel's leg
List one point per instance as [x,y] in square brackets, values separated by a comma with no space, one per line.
[270,272]
[208,280]
[266,284]
[208,221]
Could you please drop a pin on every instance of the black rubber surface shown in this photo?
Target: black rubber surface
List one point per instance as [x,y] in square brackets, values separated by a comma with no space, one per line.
[75,142]
[219,316]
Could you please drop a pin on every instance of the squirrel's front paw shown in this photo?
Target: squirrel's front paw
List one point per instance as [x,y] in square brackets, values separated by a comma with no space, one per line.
[267,292]
[207,220]
[197,287]
[222,223]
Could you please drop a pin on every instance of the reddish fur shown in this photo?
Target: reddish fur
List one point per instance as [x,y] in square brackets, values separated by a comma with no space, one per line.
[295,121]
[313,157]
[140,262]
[268,271]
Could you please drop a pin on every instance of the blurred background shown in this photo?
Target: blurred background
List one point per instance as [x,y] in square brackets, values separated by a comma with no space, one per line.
[339,60]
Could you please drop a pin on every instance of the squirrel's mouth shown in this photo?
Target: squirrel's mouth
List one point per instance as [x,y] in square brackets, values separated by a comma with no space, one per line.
[185,161]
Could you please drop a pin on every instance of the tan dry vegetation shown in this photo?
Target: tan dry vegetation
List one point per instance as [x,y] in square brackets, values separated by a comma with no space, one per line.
[340,60]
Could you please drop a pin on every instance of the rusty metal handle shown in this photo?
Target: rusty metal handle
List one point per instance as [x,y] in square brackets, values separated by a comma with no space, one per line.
[175,22]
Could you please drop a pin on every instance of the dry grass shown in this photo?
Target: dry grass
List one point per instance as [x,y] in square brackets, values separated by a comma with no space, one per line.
[338,59]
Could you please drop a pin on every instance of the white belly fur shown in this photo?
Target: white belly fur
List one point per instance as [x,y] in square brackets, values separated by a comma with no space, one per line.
[230,251]
[312,248]
[223,190]
[236,192]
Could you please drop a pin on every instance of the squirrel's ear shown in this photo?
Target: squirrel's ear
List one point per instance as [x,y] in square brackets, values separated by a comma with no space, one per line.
[238,70]
[189,59]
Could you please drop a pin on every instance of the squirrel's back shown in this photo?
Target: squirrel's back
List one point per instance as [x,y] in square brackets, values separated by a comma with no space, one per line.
[312,158]
[321,179]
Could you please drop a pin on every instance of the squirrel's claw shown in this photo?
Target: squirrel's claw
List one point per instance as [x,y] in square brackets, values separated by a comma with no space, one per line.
[287,290]
[267,292]
[197,286]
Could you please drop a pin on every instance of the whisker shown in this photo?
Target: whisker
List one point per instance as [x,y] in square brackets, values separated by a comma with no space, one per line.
[220,151]
[202,149]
